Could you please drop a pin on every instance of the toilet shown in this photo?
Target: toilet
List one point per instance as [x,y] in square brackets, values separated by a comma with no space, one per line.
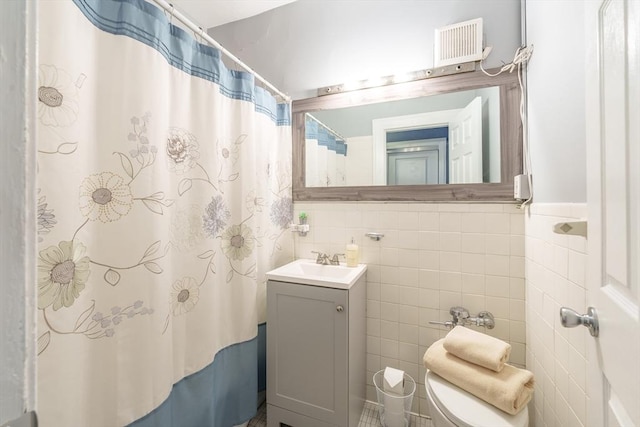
[450,406]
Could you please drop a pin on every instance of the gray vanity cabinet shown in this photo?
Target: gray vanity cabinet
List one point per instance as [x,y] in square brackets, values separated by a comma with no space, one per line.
[315,354]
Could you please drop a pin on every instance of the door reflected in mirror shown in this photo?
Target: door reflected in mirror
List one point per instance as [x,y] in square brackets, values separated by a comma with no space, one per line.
[451,138]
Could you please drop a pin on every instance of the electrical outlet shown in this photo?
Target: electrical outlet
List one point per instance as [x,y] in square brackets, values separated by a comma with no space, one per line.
[521,190]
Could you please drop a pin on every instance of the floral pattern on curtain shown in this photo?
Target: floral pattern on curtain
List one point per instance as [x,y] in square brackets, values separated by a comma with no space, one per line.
[164,196]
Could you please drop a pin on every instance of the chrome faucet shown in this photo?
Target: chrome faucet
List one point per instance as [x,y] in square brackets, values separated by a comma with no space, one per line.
[334,259]
[322,258]
[484,318]
[325,259]
[460,316]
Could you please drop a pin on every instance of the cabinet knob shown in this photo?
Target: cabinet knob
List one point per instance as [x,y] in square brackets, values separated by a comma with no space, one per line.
[339,309]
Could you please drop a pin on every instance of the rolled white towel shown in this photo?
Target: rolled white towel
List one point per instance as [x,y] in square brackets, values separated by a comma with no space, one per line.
[509,390]
[478,348]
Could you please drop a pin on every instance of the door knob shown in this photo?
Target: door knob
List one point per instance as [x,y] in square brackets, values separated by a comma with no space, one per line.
[339,309]
[570,319]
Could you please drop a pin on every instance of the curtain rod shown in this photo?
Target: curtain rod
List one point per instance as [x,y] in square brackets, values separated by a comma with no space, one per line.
[169,8]
[328,128]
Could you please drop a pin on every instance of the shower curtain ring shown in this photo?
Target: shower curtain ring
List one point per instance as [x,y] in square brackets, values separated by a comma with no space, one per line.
[199,35]
[171,13]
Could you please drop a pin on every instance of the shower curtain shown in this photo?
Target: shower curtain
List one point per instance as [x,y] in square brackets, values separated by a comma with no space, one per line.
[325,155]
[164,196]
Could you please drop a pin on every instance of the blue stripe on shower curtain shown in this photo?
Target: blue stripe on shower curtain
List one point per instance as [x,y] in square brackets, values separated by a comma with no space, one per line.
[148,24]
[331,141]
[194,401]
[326,138]
[215,395]
[341,147]
[311,129]
[323,137]
[216,391]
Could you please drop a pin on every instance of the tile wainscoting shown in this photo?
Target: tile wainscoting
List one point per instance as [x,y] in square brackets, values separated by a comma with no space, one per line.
[555,271]
[432,257]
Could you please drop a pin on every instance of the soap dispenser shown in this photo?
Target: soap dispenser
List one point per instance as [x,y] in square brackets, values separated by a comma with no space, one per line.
[352,254]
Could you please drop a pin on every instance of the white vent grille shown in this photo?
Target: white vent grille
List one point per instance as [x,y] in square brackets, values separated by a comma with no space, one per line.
[458,43]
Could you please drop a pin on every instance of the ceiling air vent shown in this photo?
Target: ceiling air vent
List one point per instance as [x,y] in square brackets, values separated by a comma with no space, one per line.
[458,43]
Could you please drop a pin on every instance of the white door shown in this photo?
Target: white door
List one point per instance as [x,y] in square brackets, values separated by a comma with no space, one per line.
[422,161]
[613,187]
[391,124]
[414,168]
[465,144]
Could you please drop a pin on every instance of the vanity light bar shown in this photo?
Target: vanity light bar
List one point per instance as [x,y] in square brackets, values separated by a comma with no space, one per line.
[398,78]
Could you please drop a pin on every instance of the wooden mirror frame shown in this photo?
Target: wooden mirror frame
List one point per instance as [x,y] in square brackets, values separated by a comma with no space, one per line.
[510,141]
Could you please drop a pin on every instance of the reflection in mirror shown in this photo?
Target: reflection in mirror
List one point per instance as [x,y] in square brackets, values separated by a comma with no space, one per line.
[326,154]
[407,142]
[452,138]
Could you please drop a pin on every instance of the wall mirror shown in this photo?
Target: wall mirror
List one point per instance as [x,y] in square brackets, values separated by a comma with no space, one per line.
[449,138]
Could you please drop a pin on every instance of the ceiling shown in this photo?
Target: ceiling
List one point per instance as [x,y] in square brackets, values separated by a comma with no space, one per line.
[211,13]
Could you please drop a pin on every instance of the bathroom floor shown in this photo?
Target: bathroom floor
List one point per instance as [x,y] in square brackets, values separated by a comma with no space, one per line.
[369,417]
[260,420]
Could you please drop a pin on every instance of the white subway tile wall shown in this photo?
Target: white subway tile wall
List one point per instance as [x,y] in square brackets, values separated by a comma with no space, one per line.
[555,270]
[432,257]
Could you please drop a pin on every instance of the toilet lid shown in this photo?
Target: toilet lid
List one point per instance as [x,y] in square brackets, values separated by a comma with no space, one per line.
[466,410]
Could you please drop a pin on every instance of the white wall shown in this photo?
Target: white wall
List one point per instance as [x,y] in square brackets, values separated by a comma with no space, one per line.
[313,43]
[556,91]
[555,270]
[555,265]
[17,212]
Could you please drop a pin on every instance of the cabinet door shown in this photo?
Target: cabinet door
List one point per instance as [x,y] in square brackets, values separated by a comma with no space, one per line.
[307,350]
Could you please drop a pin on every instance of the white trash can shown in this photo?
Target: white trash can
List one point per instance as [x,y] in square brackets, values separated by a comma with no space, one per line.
[394,409]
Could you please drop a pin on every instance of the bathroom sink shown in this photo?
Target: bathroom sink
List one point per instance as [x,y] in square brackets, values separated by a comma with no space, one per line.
[307,272]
